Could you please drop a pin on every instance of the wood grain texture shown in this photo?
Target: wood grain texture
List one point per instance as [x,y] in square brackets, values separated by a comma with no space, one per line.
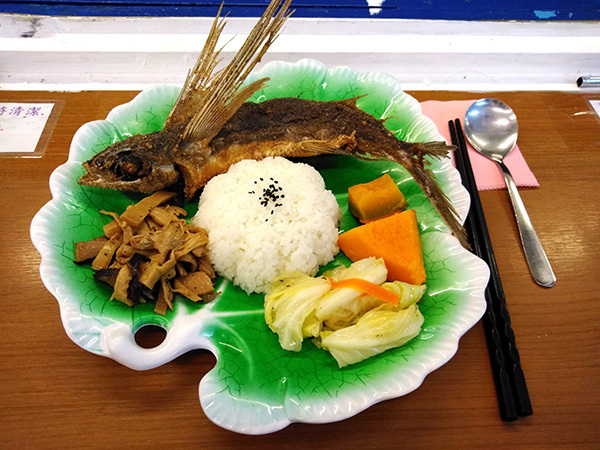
[53,393]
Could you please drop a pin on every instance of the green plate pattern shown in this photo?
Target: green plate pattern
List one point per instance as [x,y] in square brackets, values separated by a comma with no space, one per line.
[256,387]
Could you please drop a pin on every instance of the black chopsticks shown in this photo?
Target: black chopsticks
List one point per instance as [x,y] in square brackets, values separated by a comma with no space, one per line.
[511,389]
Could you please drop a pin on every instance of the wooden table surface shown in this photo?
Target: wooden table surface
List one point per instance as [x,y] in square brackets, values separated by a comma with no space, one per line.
[53,393]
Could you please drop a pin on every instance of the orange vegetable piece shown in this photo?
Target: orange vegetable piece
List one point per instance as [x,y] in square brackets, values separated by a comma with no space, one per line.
[366,287]
[376,199]
[396,239]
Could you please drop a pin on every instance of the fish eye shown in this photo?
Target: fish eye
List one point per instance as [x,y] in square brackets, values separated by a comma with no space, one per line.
[129,167]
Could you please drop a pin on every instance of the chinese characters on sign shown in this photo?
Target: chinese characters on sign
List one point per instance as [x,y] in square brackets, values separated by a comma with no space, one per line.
[20,110]
[21,126]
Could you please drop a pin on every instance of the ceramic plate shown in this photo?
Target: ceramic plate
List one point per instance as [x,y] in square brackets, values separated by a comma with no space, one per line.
[255,386]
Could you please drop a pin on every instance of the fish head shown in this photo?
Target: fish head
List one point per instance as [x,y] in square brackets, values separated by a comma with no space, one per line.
[139,163]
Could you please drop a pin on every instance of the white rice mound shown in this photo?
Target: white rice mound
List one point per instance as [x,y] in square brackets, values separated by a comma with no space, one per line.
[267,217]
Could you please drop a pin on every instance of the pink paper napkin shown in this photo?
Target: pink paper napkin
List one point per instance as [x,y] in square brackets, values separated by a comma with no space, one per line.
[488,174]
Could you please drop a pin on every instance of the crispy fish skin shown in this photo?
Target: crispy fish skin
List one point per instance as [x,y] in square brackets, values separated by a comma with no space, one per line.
[293,127]
[297,120]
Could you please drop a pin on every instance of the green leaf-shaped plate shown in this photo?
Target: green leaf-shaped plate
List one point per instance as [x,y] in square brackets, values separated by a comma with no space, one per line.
[256,387]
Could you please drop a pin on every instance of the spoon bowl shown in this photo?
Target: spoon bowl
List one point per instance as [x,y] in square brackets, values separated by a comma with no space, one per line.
[492,129]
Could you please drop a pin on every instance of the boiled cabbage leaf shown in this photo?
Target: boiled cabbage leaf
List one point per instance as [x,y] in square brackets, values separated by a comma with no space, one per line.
[290,303]
[348,323]
[409,294]
[375,332]
[340,307]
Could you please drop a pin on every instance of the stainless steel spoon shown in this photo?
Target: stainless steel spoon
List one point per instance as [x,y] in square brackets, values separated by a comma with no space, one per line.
[491,128]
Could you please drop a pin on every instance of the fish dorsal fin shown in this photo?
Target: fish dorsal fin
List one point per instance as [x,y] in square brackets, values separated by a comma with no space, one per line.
[221,92]
[194,91]
[351,101]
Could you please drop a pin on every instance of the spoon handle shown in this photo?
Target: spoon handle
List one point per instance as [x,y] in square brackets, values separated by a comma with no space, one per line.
[534,252]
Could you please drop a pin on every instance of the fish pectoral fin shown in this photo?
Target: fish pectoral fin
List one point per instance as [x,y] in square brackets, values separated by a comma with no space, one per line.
[341,144]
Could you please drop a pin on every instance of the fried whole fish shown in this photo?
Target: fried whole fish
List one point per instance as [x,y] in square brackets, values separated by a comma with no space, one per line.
[212,127]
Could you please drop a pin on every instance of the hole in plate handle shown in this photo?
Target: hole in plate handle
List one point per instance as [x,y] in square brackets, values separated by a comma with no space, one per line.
[150,336]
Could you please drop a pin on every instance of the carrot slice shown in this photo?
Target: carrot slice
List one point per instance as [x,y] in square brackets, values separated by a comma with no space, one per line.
[366,287]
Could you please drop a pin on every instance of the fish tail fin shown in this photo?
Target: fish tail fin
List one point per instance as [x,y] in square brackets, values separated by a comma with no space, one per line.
[222,94]
[425,179]
[416,164]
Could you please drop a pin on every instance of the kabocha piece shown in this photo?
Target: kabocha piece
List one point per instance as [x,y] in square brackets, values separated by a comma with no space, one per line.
[376,199]
[150,252]
[211,127]
[396,239]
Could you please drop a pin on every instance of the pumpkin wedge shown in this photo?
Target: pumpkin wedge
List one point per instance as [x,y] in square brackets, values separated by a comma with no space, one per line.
[376,199]
[396,239]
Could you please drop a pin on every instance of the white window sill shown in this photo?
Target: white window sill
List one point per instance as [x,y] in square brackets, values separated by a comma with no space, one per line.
[58,53]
